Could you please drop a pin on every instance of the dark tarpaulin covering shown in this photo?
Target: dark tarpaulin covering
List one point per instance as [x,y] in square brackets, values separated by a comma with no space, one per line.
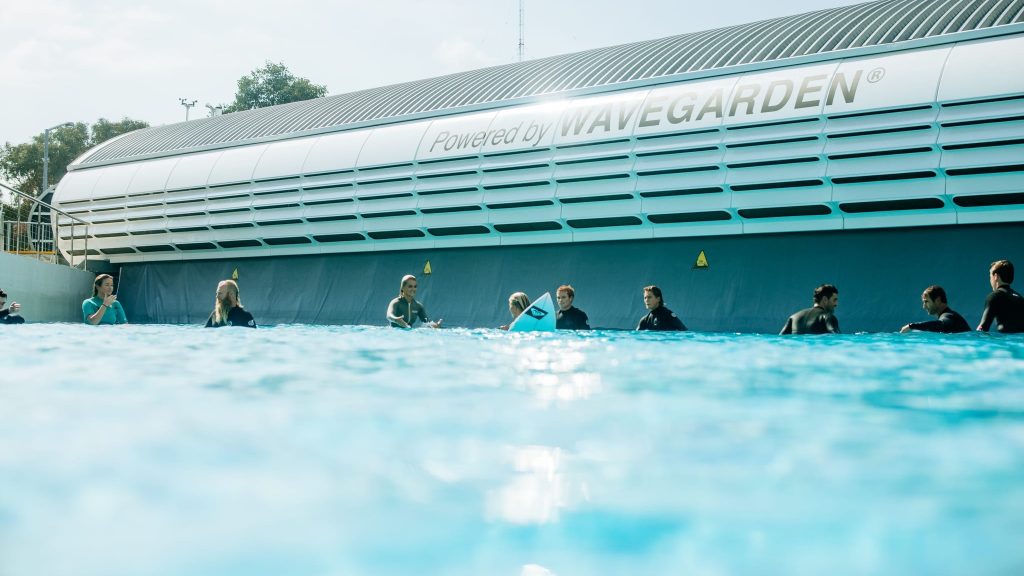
[752,284]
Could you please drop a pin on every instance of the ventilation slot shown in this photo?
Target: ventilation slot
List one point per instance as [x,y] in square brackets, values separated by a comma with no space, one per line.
[458,230]
[983,144]
[384,196]
[982,121]
[513,153]
[326,238]
[448,191]
[585,199]
[290,240]
[674,134]
[84,252]
[190,229]
[274,192]
[679,217]
[512,168]
[604,222]
[528,227]
[769,124]
[147,232]
[446,175]
[331,218]
[679,151]
[776,185]
[589,160]
[326,187]
[772,162]
[155,248]
[391,234]
[891,205]
[276,206]
[781,212]
[196,246]
[772,142]
[272,180]
[589,144]
[444,160]
[141,218]
[592,178]
[228,185]
[111,235]
[529,204]
[879,153]
[229,211]
[684,192]
[231,226]
[983,101]
[883,177]
[876,132]
[325,202]
[239,243]
[386,167]
[677,171]
[215,198]
[980,200]
[985,170]
[879,112]
[390,214]
[279,222]
[333,173]
[385,181]
[450,209]
[117,250]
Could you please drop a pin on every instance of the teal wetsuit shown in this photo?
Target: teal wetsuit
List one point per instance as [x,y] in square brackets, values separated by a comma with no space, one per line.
[113,315]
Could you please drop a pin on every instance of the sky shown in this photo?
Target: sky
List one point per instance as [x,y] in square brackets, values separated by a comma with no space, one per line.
[81,60]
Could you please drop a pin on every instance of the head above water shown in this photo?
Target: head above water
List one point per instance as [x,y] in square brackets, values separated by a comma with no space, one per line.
[408,287]
[652,297]
[933,300]
[518,302]
[227,298]
[103,286]
[1000,272]
[564,296]
[826,297]
[3,297]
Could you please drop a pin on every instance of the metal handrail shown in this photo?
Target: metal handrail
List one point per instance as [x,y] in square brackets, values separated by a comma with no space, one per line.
[56,241]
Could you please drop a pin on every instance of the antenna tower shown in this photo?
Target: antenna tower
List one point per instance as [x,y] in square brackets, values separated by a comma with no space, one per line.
[522,19]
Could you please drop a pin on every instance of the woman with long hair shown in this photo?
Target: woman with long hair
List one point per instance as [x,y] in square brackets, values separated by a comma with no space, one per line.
[103,307]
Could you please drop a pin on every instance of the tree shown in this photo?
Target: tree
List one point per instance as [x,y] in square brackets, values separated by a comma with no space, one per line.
[22,164]
[270,85]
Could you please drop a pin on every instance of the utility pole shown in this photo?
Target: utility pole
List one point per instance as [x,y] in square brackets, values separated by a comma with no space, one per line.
[522,19]
[187,105]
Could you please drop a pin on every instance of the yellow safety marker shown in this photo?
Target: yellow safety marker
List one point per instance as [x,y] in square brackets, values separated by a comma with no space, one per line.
[234,275]
[702,261]
[426,269]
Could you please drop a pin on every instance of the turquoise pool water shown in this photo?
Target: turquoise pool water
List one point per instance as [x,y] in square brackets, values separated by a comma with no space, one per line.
[164,450]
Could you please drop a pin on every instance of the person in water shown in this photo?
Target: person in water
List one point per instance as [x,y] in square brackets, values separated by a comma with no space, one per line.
[103,307]
[9,315]
[518,302]
[404,310]
[659,317]
[818,319]
[227,308]
[568,316]
[1004,305]
[934,302]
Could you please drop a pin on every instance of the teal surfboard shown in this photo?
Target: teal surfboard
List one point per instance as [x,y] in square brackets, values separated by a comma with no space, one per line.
[539,317]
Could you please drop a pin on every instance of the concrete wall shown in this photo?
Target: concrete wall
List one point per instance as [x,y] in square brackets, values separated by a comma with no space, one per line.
[753,284]
[46,292]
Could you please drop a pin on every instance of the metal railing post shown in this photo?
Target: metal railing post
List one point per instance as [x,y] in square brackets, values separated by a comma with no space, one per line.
[55,226]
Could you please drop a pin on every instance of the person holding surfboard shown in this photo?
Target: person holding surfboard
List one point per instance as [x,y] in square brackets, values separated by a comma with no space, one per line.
[404,310]
[659,317]
[517,303]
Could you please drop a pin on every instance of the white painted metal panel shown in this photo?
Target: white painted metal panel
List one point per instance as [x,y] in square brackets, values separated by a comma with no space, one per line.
[461,136]
[283,158]
[152,176]
[599,118]
[392,144]
[114,181]
[77,186]
[983,69]
[335,152]
[236,165]
[892,81]
[777,95]
[690,106]
[192,171]
[534,127]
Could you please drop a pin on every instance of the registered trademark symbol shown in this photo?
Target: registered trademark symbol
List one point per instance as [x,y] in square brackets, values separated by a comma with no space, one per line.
[876,75]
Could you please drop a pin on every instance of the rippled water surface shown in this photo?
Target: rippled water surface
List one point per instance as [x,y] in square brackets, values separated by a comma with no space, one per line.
[303,450]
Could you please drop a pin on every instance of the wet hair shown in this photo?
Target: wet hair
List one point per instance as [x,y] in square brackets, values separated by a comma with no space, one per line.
[567,289]
[936,292]
[219,313]
[824,292]
[405,279]
[656,291]
[1003,269]
[2,293]
[519,300]
[97,282]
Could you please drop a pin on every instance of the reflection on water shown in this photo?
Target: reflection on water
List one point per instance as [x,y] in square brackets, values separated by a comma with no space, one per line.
[169,450]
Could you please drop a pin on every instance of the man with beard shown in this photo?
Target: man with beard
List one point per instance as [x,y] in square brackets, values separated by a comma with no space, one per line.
[227,310]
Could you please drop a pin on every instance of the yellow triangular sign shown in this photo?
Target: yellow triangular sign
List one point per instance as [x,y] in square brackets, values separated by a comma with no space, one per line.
[426,269]
[702,261]
[234,275]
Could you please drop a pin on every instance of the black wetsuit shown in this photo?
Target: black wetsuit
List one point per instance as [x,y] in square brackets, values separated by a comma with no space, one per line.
[237,316]
[949,322]
[661,318]
[402,308]
[1005,307]
[812,320]
[7,318]
[572,319]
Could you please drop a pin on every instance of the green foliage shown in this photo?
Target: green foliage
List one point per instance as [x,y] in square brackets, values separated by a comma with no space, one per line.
[270,85]
[22,164]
